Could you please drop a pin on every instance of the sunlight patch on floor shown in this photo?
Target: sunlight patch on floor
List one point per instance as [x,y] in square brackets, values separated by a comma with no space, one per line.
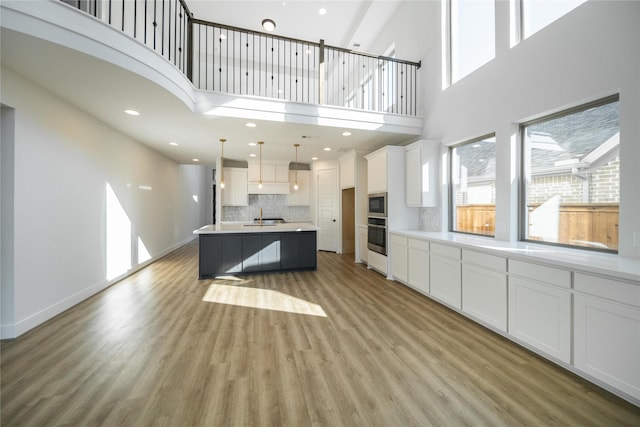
[266,299]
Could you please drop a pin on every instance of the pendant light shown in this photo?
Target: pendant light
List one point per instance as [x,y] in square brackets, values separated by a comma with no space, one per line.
[260,145]
[222,141]
[295,185]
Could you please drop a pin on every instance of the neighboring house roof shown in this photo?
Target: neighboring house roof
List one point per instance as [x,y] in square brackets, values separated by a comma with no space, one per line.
[585,139]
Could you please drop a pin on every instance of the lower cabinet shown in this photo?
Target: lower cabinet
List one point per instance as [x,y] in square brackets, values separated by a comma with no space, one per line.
[246,253]
[362,243]
[540,315]
[377,261]
[298,251]
[607,332]
[398,257]
[418,264]
[484,288]
[445,274]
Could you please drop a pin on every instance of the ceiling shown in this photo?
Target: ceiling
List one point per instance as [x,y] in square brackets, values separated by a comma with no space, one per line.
[105,90]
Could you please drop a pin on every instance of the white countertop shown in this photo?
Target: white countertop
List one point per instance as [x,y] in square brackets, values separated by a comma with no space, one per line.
[248,227]
[581,260]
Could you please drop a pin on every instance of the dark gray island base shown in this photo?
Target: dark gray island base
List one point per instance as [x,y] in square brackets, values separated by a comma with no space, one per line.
[251,252]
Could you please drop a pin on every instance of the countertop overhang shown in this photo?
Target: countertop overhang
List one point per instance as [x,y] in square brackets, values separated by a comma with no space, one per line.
[249,227]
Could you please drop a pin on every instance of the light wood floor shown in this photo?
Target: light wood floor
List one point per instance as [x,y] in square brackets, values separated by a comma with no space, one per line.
[340,346]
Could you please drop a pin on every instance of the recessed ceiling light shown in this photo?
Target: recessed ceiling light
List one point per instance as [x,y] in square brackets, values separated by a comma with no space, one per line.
[322,11]
[132,112]
[173,143]
[314,158]
[252,155]
[252,144]
[250,125]
[195,160]
[268,25]
[346,133]
[327,148]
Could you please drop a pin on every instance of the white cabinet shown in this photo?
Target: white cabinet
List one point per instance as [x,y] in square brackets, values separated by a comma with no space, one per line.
[377,172]
[275,177]
[418,264]
[540,307]
[363,239]
[607,331]
[271,172]
[235,191]
[348,170]
[445,276]
[398,257]
[377,261]
[421,174]
[301,196]
[484,288]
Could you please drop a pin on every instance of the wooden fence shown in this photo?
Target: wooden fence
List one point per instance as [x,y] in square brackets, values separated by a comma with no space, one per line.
[583,224]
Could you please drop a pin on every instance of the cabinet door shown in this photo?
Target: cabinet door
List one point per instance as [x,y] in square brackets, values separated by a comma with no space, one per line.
[607,342]
[418,265]
[540,315]
[484,295]
[398,257]
[298,251]
[235,192]
[362,243]
[413,177]
[301,196]
[281,173]
[260,252]
[377,173]
[219,255]
[347,172]
[445,280]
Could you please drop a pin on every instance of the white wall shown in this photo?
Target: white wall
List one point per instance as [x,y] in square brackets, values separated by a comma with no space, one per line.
[64,162]
[592,52]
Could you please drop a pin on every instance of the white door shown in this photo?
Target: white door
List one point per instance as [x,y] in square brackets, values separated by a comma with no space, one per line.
[328,210]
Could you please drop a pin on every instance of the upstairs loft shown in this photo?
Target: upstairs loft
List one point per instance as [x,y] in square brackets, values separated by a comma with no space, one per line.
[232,72]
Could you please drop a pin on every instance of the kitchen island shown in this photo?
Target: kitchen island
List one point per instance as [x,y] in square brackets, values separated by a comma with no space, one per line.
[250,248]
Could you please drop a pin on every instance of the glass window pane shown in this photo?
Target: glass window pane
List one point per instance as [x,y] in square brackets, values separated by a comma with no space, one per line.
[572,178]
[473,179]
[537,14]
[472,36]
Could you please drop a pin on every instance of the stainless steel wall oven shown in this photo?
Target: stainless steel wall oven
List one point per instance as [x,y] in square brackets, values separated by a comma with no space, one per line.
[377,235]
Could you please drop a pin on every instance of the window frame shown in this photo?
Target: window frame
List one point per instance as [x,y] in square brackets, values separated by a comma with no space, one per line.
[452,197]
[524,169]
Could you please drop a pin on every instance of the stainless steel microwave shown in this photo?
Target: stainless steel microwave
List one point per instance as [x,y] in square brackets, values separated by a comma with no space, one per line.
[378,205]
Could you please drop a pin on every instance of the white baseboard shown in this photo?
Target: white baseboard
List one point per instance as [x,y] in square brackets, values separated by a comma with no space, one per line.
[14,330]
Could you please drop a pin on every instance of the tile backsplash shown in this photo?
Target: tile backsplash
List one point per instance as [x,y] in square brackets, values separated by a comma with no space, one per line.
[273,206]
[430,219]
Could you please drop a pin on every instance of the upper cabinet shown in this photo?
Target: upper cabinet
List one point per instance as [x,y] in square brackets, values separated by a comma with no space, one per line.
[421,174]
[377,171]
[301,196]
[275,177]
[348,170]
[235,187]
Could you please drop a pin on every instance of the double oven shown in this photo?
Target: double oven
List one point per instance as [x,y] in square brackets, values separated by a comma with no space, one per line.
[377,223]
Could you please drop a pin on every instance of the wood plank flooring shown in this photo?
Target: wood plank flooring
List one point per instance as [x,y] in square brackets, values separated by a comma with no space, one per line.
[340,346]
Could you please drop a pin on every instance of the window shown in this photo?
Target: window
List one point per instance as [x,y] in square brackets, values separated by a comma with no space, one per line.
[537,14]
[571,177]
[472,35]
[473,179]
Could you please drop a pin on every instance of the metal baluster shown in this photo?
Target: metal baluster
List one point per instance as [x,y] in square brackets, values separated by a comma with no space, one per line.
[145,21]
[155,23]
[109,12]
[135,18]
[122,25]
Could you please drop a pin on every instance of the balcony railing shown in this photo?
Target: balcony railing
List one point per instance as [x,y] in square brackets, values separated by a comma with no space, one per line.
[233,60]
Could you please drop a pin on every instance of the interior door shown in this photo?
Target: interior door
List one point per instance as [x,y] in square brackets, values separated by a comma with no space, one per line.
[328,210]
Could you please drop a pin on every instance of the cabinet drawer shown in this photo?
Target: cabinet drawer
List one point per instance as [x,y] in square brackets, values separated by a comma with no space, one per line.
[550,275]
[395,239]
[488,261]
[419,244]
[444,250]
[615,290]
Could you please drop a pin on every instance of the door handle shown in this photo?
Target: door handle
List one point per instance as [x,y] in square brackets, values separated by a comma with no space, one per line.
[334,220]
